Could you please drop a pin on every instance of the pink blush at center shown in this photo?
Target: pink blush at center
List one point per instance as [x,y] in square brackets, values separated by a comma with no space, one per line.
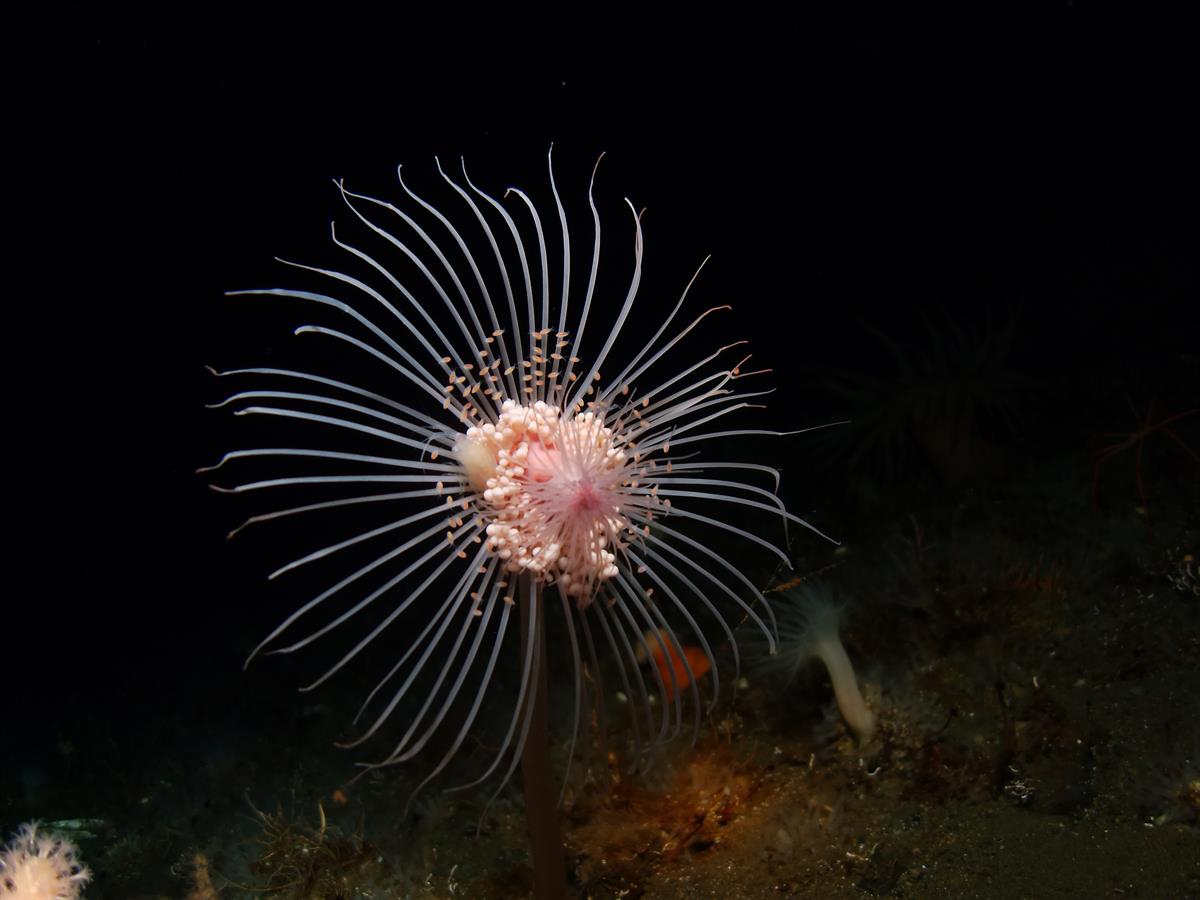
[585,499]
[579,495]
[541,462]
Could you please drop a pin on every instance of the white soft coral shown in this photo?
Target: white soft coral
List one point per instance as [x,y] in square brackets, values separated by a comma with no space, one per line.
[42,866]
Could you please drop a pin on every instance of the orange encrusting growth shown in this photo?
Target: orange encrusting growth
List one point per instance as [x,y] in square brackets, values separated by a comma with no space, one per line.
[696,658]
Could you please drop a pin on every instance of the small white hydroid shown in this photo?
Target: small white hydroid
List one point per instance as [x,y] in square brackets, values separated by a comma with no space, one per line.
[809,626]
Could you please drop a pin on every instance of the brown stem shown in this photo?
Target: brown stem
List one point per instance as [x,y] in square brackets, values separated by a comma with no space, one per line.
[541,804]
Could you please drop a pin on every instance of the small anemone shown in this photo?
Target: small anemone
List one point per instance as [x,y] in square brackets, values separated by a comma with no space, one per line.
[41,866]
[1172,793]
[809,619]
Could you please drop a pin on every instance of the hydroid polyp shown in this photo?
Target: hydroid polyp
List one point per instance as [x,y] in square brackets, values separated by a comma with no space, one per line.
[518,471]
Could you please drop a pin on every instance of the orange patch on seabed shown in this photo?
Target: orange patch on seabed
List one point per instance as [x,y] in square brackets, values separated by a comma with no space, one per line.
[696,658]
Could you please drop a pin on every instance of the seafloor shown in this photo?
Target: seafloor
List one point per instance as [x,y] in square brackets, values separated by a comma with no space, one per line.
[1029,643]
